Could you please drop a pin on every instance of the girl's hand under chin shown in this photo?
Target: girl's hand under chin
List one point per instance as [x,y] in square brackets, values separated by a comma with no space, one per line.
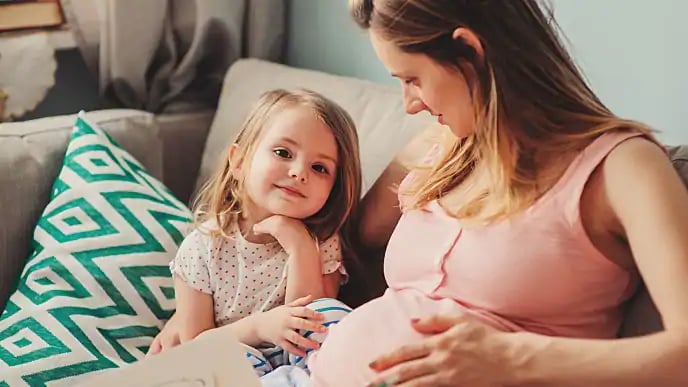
[290,233]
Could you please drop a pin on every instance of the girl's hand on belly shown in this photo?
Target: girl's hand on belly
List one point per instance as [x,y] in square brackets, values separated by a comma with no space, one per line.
[457,351]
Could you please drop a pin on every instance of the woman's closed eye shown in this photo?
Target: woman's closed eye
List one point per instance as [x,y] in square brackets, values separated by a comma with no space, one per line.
[410,81]
[282,152]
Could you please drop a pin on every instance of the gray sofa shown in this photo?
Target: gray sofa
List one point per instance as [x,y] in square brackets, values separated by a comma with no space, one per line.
[182,149]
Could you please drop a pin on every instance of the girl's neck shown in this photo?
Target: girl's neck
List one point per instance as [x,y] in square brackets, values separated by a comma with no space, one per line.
[245,225]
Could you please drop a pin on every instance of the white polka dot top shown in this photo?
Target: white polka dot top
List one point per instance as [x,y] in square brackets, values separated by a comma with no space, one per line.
[243,277]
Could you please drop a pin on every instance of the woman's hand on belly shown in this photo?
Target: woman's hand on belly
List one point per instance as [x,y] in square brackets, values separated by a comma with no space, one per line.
[456,351]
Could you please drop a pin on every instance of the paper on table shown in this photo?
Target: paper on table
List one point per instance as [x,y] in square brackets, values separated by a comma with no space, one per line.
[214,359]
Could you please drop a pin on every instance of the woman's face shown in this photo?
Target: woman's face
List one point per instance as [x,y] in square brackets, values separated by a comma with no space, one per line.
[428,85]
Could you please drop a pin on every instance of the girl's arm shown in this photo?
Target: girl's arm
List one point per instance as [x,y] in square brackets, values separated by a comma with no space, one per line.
[193,316]
[304,268]
[651,203]
[195,312]
[304,272]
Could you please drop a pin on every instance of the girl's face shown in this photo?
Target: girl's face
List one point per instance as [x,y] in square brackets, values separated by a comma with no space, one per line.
[294,166]
[429,86]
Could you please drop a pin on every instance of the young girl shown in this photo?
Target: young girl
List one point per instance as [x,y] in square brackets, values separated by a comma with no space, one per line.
[267,238]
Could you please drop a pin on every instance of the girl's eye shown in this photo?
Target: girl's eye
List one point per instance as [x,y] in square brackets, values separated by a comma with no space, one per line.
[283,153]
[320,169]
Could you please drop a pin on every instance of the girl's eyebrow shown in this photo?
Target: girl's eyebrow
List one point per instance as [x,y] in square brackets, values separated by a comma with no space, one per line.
[296,144]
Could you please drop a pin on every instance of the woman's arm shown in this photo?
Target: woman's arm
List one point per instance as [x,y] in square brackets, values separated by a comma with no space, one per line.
[379,210]
[651,203]
[331,284]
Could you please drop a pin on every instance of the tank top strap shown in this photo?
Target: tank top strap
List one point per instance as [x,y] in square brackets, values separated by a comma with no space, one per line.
[571,185]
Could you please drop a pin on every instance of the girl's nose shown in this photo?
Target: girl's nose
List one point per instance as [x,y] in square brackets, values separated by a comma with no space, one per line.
[299,174]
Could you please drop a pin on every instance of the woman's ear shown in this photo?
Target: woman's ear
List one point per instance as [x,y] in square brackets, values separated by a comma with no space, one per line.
[470,38]
[234,164]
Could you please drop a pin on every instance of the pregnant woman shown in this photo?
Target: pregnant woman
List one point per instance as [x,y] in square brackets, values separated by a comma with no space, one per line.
[519,236]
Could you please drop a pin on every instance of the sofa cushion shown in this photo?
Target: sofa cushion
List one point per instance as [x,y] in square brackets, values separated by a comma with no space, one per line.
[97,287]
[30,157]
[376,109]
[642,316]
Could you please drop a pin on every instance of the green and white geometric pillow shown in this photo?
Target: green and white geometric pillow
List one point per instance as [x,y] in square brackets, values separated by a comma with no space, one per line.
[97,288]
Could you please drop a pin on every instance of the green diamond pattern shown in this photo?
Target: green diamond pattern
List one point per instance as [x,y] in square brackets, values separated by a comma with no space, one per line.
[97,288]
[23,342]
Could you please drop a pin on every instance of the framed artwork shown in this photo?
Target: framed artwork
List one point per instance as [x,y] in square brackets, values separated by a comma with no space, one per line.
[24,14]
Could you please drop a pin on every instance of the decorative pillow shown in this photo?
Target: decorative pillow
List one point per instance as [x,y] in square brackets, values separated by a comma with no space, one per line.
[97,287]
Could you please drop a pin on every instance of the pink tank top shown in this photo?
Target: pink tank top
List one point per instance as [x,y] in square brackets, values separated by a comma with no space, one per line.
[537,271]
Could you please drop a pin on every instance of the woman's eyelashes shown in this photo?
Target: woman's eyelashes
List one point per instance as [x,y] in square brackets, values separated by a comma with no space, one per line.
[284,153]
[410,81]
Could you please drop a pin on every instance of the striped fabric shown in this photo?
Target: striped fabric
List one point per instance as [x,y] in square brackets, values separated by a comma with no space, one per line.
[267,360]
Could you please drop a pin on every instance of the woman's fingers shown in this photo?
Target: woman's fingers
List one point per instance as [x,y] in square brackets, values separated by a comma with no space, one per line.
[432,380]
[403,354]
[407,372]
[301,341]
[436,324]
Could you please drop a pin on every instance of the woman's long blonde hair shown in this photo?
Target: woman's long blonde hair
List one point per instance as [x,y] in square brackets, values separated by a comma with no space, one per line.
[222,199]
[528,94]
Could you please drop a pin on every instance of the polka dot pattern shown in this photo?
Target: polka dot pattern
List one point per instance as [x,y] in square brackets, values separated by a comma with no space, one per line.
[243,277]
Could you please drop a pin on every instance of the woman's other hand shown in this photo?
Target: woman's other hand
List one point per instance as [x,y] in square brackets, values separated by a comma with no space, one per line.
[457,351]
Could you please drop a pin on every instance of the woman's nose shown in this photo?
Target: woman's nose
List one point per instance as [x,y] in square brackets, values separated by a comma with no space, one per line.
[412,104]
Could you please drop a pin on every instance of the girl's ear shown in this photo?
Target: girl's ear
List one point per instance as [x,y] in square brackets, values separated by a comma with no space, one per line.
[234,164]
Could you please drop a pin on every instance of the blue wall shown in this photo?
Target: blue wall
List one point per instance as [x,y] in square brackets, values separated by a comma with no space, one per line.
[633,52]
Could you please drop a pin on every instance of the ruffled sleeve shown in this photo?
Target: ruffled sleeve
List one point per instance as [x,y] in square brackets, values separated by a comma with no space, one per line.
[331,255]
[191,262]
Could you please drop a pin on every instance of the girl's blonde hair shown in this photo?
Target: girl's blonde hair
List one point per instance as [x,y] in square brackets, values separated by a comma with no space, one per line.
[222,199]
[529,97]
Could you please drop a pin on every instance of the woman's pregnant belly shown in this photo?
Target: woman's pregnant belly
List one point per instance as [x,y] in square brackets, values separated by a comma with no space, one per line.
[376,328]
